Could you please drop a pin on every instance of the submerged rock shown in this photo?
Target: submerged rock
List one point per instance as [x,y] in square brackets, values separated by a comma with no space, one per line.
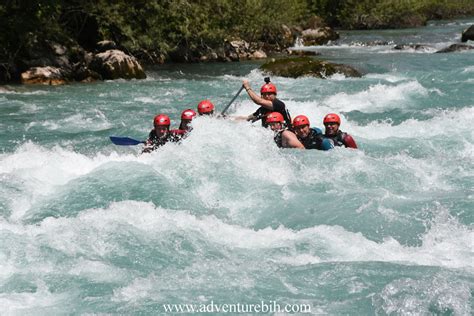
[416,47]
[301,52]
[468,34]
[307,66]
[43,75]
[115,64]
[455,48]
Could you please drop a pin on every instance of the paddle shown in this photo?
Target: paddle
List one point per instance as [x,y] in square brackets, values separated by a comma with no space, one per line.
[232,101]
[125,141]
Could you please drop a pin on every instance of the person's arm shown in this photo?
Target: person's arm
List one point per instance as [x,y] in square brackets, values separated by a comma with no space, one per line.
[350,142]
[289,140]
[256,98]
[250,117]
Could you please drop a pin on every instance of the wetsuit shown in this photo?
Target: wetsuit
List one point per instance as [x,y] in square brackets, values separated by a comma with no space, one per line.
[315,140]
[342,139]
[278,106]
[153,142]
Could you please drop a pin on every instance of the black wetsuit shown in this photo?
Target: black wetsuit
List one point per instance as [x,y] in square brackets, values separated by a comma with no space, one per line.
[278,106]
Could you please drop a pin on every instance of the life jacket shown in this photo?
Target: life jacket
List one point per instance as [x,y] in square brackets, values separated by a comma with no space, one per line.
[262,112]
[278,138]
[314,140]
[342,139]
[153,141]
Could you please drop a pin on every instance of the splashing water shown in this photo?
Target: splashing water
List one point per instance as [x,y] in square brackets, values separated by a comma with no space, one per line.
[227,217]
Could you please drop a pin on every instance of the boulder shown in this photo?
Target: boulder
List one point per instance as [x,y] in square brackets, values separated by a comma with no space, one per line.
[416,47]
[258,54]
[287,36]
[104,46]
[43,54]
[468,34]
[456,48]
[115,64]
[241,50]
[315,22]
[307,66]
[318,36]
[43,75]
[237,50]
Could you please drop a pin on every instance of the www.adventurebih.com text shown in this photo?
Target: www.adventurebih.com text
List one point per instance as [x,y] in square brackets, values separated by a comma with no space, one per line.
[262,307]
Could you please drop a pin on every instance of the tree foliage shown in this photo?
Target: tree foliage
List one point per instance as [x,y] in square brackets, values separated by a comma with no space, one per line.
[165,25]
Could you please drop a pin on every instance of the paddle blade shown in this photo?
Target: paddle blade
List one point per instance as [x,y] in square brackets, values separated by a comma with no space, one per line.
[125,141]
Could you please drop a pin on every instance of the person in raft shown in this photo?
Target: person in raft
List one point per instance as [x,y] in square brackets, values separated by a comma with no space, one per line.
[160,134]
[268,103]
[284,138]
[333,134]
[309,137]
[186,118]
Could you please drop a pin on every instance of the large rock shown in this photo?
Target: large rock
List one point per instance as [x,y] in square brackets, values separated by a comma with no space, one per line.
[241,50]
[43,75]
[105,45]
[318,36]
[115,64]
[307,66]
[416,47]
[455,48]
[468,34]
[43,54]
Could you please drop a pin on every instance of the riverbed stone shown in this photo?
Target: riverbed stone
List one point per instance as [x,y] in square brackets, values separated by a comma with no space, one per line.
[307,66]
[456,48]
[43,75]
[468,34]
[115,64]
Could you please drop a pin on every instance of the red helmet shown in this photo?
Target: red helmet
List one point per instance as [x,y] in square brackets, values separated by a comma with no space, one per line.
[268,88]
[300,120]
[188,114]
[332,118]
[162,120]
[275,117]
[205,107]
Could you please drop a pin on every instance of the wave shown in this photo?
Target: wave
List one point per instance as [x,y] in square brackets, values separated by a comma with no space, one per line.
[378,98]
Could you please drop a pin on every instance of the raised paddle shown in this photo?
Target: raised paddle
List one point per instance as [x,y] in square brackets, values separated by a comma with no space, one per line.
[232,101]
[125,141]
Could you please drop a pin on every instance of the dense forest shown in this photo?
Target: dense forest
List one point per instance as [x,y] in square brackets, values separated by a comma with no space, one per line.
[153,29]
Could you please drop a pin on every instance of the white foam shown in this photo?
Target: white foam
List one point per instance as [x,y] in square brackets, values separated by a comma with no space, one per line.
[97,271]
[441,124]
[392,78]
[42,170]
[377,98]
[41,299]
[95,121]
[446,244]
[468,69]
[7,90]
[436,294]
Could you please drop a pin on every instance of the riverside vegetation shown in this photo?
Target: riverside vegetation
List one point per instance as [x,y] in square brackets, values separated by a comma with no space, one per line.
[158,31]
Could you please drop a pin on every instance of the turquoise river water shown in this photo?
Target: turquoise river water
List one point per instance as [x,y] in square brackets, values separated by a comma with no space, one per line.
[227,220]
